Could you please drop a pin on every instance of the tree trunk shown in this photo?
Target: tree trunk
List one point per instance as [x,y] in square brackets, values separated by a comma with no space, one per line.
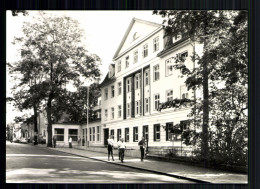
[35,125]
[49,128]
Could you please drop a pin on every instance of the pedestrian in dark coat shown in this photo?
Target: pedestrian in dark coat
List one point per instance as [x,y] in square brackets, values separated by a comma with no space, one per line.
[142,148]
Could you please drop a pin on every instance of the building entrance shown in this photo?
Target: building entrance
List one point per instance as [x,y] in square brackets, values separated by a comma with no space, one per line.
[106,135]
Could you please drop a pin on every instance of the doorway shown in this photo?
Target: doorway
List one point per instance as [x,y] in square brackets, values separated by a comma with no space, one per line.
[106,134]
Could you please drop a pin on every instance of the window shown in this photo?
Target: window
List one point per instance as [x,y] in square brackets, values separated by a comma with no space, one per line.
[118,134]
[184,92]
[145,50]
[168,67]
[156,101]
[135,134]
[93,128]
[126,134]
[182,56]
[145,132]
[126,61]
[137,81]
[106,93]
[184,125]
[156,44]
[128,109]
[128,83]
[135,56]
[119,111]
[157,132]
[59,134]
[169,128]
[112,91]
[137,107]
[119,88]
[112,133]
[146,76]
[156,73]
[73,133]
[105,114]
[90,134]
[98,133]
[112,113]
[147,105]
[119,66]
[169,95]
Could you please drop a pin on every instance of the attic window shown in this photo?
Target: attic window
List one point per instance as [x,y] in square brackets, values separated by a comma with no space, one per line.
[135,36]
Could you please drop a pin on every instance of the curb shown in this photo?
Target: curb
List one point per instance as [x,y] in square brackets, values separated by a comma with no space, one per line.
[138,168]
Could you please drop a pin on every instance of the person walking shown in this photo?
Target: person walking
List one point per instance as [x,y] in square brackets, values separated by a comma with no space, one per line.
[122,148]
[142,148]
[110,148]
[70,142]
[118,147]
[54,141]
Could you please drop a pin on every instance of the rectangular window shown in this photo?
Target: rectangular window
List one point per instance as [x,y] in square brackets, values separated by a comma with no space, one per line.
[128,109]
[184,125]
[60,134]
[112,113]
[119,66]
[168,67]
[119,111]
[106,93]
[93,128]
[90,134]
[112,91]
[156,101]
[127,61]
[136,56]
[146,105]
[135,134]
[119,88]
[73,133]
[156,44]
[128,83]
[145,132]
[146,75]
[112,133]
[156,73]
[105,114]
[145,50]
[126,134]
[137,81]
[182,56]
[98,133]
[137,107]
[169,95]
[157,132]
[184,92]
[118,134]
[169,129]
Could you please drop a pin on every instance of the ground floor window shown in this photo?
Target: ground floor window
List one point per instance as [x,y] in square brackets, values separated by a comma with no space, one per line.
[59,134]
[156,132]
[135,134]
[90,134]
[73,133]
[112,133]
[98,133]
[126,134]
[145,132]
[118,134]
[169,129]
[93,133]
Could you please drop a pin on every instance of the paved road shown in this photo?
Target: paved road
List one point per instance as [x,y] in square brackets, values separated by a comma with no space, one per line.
[28,164]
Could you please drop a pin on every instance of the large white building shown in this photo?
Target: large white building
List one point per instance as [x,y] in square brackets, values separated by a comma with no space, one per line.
[140,80]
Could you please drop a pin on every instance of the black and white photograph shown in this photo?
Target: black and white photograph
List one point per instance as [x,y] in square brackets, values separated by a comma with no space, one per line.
[155,96]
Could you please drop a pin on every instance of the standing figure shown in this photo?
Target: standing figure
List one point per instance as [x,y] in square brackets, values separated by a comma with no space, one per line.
[70,142]
[142,148]
[83,142]
[110,148]
[118,147]
[54,141]
[122,148]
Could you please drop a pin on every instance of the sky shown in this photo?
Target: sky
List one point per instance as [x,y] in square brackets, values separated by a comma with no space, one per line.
[104,31]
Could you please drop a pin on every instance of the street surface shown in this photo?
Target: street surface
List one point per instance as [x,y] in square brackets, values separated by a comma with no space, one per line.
[29,164]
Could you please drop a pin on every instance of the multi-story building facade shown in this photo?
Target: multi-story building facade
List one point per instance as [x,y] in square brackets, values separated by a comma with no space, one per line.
[140,80]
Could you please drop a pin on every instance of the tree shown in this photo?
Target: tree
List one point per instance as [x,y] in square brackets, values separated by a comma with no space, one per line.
[219,63]
[16,12]
[56,46]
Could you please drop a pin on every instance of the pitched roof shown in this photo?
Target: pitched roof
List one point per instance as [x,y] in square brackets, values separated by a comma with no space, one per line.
[129,29]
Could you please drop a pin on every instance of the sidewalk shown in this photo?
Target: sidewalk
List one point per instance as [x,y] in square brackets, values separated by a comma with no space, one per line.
[193,173]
